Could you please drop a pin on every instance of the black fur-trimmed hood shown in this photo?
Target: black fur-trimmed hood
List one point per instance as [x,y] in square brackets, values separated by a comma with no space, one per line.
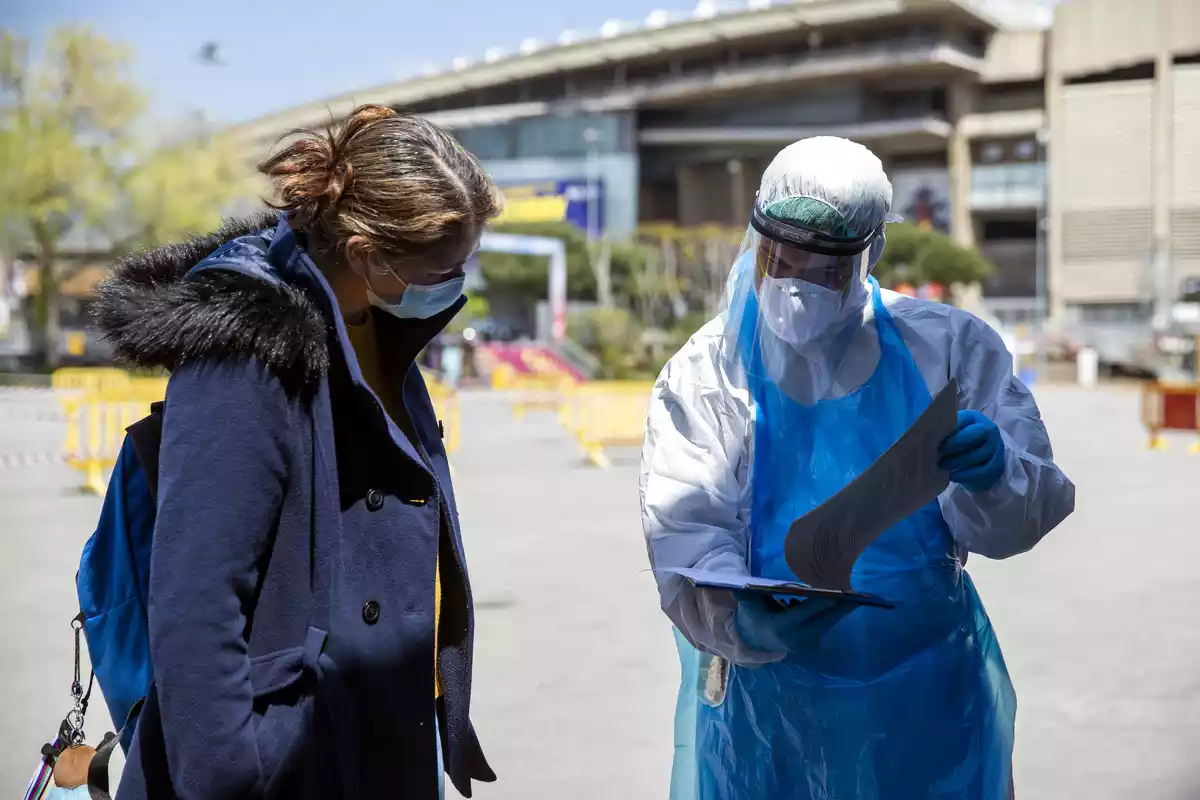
[156,314]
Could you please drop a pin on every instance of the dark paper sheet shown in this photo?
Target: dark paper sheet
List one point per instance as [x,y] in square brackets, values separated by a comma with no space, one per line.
[822,546]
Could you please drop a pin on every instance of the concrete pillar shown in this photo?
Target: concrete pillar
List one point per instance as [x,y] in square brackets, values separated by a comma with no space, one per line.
[1165,289]
[958,158]
[691,194]
[1054,170]
[752,172]
[742,186]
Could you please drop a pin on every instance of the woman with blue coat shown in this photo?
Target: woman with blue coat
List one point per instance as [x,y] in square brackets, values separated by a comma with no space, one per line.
[310,616]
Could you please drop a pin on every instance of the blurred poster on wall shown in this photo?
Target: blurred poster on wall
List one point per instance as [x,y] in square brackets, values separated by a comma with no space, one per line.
[579,202]
[922,196]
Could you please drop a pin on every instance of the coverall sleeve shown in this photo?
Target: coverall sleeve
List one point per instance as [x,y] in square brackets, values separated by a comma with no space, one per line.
[1034,495]
[222,471]
[690,496]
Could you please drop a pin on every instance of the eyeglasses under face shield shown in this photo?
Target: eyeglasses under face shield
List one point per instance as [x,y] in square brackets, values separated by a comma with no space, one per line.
[788,251]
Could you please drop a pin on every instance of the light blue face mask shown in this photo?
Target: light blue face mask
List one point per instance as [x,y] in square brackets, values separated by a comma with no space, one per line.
[421,302]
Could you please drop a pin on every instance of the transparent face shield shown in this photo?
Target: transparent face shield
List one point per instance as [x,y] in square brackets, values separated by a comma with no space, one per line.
[794,301]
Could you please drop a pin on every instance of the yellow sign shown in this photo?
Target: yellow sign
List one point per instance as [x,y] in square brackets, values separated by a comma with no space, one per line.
[76,343]
[519,208]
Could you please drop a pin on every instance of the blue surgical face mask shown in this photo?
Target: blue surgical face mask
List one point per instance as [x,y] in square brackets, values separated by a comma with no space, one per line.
[421,302]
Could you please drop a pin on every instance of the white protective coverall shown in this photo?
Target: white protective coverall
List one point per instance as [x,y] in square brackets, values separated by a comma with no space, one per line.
[696,487]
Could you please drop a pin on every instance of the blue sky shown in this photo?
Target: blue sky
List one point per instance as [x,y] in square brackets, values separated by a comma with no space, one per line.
[281,54]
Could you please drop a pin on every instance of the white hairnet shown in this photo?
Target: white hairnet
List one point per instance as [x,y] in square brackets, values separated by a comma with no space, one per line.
[826,184]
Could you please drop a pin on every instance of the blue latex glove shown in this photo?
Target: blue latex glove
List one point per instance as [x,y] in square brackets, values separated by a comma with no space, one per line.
[773,628]
[974,453]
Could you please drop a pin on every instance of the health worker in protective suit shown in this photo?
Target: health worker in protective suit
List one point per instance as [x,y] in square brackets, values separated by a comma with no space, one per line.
[808,375]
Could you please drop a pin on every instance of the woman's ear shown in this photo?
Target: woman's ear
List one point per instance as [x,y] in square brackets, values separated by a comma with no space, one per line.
[357,251]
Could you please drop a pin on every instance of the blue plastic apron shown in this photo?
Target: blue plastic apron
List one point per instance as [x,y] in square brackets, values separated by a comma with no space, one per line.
[913,702]
[683,766]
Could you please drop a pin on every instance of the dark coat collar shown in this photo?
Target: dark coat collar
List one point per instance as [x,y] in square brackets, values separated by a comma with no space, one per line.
[405,337]
[247,290]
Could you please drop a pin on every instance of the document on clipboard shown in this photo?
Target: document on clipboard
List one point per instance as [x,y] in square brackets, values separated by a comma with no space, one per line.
[822,546]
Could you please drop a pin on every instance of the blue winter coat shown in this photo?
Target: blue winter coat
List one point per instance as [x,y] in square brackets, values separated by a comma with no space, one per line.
[292,576]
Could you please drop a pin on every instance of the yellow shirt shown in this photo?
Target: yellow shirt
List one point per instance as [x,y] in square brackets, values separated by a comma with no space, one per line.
[366,350]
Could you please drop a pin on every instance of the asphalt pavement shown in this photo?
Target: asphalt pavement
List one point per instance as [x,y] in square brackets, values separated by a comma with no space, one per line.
[576,671]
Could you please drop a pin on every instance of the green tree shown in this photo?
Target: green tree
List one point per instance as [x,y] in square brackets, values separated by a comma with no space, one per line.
[521,280]
[918,256]
[526,276]
[71,158]
[181,189]
[614,337]
[65,121]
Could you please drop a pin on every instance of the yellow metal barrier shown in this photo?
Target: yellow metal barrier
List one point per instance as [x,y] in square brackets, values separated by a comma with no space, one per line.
[445,404]
[606,414]
[97,419]
[96,423]
[72,382]
[573,399]
[540,393]
[149,387]
[503,377]
[89,379]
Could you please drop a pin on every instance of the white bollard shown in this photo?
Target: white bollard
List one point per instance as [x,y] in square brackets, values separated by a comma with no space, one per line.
[1087,367]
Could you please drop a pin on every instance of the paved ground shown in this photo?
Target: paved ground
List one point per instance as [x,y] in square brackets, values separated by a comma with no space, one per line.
[576,669]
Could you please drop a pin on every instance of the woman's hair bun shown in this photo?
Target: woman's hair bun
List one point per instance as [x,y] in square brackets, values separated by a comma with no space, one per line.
[311,174]
[397,179]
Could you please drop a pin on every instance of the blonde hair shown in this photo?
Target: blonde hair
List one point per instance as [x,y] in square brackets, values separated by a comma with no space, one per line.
[398,180]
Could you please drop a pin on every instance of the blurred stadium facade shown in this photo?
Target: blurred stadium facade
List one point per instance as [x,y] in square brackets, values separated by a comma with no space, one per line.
[988,115]
[1061,139]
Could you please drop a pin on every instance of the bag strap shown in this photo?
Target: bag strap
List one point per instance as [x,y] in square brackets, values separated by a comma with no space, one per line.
[146,437]
[97,778]
[319,567]
[40,782]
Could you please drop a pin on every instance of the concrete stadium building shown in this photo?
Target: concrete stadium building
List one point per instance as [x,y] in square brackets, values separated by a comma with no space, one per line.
[988,117]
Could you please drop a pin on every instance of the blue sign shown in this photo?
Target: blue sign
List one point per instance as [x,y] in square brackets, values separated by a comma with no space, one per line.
[579,202]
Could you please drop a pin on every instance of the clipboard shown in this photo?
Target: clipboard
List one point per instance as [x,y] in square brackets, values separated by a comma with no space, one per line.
[746,583]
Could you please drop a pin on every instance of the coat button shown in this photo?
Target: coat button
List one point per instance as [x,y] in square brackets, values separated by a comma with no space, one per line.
[371,612]
[374,499]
